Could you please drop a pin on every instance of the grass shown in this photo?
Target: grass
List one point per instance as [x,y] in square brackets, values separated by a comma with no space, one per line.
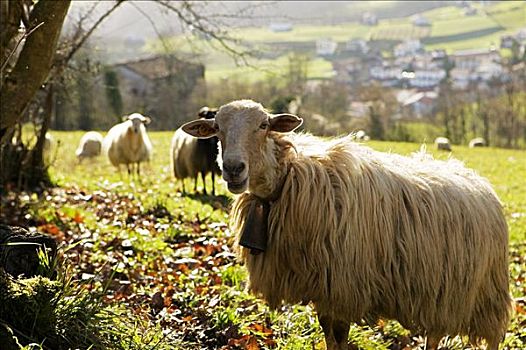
[164,265]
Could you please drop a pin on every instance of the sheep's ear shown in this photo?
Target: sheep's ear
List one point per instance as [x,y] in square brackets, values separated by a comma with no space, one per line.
[125,118]
[147,120]
[284,122]
[201,128]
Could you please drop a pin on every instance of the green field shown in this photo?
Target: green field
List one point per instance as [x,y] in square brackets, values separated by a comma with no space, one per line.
[162,261]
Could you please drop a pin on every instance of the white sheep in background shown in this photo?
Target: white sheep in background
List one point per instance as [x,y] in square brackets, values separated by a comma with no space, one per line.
[363,234]
[477,142]
[90,145]
[48,142]
[362,136]
[442,143]
[128,143]
[190,156]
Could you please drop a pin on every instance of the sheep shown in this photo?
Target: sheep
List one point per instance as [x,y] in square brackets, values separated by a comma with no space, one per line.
[90,145]
[362,234]
[48,142]
[128,143]
[477,142]
[443,143]
[190,156]
[362,136]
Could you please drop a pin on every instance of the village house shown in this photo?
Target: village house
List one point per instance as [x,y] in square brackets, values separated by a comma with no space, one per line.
[471,59]
[408,48]
[426,78]
[369,19]
[417,104]
[359,46]
[160,87]
[280,27]
[326,47]
[420,21]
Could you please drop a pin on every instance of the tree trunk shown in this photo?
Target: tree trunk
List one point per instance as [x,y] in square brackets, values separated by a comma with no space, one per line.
[19,251]
[33,64]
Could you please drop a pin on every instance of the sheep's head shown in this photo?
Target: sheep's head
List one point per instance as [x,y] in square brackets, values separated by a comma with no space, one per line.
[242,128]
[207,113]
[137,120]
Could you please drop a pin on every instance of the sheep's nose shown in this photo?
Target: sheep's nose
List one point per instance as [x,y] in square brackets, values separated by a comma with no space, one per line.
[234,168]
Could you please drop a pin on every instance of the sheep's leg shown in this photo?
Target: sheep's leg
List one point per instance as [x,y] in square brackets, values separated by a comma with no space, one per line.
[340,330]
[326,326]
[195,183]
[492,345]
[213,183]
[204,183]
[432,342]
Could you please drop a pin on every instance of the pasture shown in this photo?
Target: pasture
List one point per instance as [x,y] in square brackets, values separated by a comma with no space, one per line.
[159,268]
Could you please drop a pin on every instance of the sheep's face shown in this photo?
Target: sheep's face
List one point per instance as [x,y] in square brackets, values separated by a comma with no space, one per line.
[137,120]
[242,128]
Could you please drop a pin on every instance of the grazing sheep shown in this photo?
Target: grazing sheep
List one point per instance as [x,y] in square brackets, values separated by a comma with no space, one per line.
[443,143]
[360,233]
[362,136]
[128,143]
[48,142]
[477,142]
[191,156]
[90,145]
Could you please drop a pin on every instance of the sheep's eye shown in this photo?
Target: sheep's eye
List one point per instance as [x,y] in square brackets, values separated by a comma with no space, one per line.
[263,125]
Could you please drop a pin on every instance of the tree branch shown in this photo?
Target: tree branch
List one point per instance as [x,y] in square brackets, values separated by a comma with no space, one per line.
[86,35]
[34,62]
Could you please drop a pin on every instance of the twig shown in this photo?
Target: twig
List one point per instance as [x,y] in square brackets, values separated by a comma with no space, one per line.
[19,41]
[90,31]
[165,44]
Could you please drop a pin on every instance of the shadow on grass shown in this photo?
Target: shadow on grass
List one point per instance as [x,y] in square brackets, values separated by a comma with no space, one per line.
[217,202]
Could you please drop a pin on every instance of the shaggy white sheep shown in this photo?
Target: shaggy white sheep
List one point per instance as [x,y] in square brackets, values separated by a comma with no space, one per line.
[443,143]
[128,143]
[190,156]
[360,233]
[477,142]
[90,145]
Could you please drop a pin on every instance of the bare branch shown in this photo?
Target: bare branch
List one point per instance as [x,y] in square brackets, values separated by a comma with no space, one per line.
[164,42]
[191,19]
[19,41]
[86,35]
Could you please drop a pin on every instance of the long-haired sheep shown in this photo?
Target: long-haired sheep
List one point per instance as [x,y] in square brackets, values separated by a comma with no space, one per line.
[363,234]
[443,143]
[128,143]
[191,156]
[90,145]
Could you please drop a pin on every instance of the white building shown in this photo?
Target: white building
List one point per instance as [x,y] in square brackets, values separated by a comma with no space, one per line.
[408,47]
[357,45]
[426,78]
[326,47]
[420,21]
[385,73]
[280,27]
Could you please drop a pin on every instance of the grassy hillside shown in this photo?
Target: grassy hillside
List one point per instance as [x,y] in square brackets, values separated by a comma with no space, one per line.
[450,30]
